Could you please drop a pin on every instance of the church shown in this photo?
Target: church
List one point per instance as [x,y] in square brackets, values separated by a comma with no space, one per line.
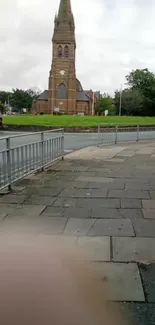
[65,94]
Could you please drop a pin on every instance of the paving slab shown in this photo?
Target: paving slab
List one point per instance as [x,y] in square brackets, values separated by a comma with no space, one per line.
[95,179]
[53,212]
[7,208]
[26,210]
[95,248]
[137,181]
[91,193]
[17,189]
[131,203]
[48,191]
[145,151]
[126,153]
[78,213]
[68,192]
[106,213]
[133,194]
[65,202]
[2,216]
[137,186]
[131,213]
[78,184]
[40,200]
[116,160]
[148,204]
[94,153]
[123,281]
[148,276]
[152,195]
[78,227]
[128,249]
[112,227]
[12,198]
[102,203]
[149,213]
[144,228]
[57,180]
[53,226]
[118,184]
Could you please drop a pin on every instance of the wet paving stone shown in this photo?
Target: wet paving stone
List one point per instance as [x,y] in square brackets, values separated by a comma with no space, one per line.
[138,314]
[148,276]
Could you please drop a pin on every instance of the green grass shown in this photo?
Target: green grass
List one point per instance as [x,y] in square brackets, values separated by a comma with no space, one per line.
[73,121]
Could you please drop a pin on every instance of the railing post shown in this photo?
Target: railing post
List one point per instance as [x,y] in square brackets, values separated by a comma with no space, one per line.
[137,133]
[62,139]
[116,134]
[42,151]
[8,162]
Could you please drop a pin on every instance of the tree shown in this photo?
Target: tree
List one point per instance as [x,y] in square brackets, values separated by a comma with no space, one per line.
[4,96]
[132,102]
[105,103]
[141,79]
[22,99]
[144,81]
[2,108]
[34,92]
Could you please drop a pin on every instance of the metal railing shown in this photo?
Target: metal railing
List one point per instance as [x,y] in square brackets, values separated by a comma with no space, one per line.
[115,134]
[23,154]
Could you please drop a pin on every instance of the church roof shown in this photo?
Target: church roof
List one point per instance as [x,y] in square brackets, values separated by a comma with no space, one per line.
[97,94]
[78,85]
[43,95]
[83,95]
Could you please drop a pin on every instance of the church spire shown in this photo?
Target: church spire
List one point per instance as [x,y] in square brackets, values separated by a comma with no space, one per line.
[65,11]
[64,23]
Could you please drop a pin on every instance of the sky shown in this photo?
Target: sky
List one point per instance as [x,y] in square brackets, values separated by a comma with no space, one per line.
[113,37]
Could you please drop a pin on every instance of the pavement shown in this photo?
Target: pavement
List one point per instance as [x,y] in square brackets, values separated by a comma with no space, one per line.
[102,200]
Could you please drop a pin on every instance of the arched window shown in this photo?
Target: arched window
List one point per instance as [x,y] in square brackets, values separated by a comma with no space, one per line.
[66,51]
[60,51]
[62,92]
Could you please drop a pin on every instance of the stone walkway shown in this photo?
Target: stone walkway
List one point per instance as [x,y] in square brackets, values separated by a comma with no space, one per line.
[103,199]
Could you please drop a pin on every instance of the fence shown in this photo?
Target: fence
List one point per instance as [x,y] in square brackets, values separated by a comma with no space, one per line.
[115,134]
[23,154]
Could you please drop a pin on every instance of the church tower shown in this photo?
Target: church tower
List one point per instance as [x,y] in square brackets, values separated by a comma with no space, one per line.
[62,76]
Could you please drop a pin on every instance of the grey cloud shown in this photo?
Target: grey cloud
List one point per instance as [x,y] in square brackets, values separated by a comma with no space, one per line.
[113,37]
[34,31]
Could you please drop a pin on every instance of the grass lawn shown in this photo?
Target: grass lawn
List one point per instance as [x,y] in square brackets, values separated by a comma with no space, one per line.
[83,121]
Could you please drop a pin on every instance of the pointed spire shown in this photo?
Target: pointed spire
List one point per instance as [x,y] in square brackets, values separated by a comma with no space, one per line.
[55,19]
[65,11]
[64,22]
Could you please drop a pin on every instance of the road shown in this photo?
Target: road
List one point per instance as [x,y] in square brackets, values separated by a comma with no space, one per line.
[75,141]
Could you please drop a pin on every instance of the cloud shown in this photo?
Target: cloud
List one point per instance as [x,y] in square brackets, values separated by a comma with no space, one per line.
[113,37]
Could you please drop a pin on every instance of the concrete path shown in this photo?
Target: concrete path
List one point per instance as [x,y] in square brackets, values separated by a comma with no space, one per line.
[103,200]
